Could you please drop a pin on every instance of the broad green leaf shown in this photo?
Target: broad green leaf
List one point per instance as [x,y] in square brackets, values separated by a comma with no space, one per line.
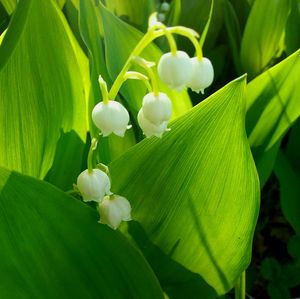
[42,91]
[120,40]
[53,247]
[195,192]
[289,191]
[272,108]
[262,34]
[135,13]
[292,148]
[90,23]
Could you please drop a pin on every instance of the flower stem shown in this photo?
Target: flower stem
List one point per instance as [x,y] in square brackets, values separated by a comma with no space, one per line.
[240,287]
[103,88]
[146,40]
[138,76]
[147,66]
[90,161]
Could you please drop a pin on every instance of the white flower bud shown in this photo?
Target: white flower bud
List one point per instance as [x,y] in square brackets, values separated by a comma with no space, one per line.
[149,128]
[175,70]
[202,74]
[94,185]
[165,6]
[111,117]
[113,210]
[157,109]
[161,17]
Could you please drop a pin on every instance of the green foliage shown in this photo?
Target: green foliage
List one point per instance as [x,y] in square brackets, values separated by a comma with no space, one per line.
[209,194]
[194,193]
[52,247]
[262,34]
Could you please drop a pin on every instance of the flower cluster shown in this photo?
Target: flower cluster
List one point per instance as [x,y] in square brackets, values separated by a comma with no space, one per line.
[94,185]
[178,71]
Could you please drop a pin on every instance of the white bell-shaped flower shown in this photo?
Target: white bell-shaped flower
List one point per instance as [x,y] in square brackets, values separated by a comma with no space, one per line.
[157,109]
[175,70]
[165,6]
[113,210]
[93,185]
[111,117]
[202,74]
[149,128]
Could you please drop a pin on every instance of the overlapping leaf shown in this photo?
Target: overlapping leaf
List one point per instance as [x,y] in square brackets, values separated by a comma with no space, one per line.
[53,247]
[195,192]
[42,92]
[272,108]
[264,29]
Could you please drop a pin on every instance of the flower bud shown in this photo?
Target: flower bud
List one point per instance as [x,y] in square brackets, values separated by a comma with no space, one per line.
[113,210]
[161,17]
[93,185]
[111,117]
[165,6]
[157,109]
[202,74]
[149,128]
[175,70]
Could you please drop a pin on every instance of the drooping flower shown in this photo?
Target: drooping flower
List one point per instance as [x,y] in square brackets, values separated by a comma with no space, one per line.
[157,108]
[111,117]
[149,128]
[93,185]
[113,210]
[202,74]
[175,70]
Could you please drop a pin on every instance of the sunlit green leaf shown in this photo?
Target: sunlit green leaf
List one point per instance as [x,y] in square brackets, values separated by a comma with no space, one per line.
[195,192]
[53,247]
[264,28]
[272,108]
[42,91]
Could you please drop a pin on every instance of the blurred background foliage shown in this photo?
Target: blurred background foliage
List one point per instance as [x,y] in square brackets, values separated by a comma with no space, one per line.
[260,38]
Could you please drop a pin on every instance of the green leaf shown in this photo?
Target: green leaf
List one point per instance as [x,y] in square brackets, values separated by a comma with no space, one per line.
[53,247]
[233,32]
[264,28]
[120,39]
[9,5]
[272,108]
[195,192]
[42,91]
[292,36]
[271,269]
[278,291]
[194,14]
[289,191]
[135,13]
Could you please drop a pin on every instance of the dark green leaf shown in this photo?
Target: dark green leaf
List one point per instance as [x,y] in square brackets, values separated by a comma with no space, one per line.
[53,247]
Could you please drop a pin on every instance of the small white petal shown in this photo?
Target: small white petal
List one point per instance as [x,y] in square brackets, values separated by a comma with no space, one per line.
[111,117]
[203,74]
[150,129]
[157,109]
[113,210]
[175,70]
[94,185]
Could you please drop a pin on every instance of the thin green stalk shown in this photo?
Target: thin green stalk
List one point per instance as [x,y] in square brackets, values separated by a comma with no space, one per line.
[240,287]
[90,160]
[138,76]
[103,87]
